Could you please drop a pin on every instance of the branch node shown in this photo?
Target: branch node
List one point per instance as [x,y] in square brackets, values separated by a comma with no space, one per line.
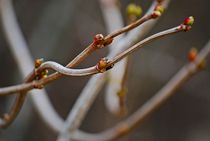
[103,65]
[98,41]
[158,11]
[37,86]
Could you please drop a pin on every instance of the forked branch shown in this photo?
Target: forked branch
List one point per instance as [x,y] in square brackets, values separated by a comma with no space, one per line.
[102,66]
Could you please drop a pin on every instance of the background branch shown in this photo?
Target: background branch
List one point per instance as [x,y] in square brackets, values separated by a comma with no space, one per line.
[19,49]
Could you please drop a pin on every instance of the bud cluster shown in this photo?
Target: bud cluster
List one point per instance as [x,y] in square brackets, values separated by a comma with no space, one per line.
[44,73]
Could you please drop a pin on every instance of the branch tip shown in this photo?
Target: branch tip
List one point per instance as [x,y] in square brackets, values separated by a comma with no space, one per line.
[187,24]
[189,21]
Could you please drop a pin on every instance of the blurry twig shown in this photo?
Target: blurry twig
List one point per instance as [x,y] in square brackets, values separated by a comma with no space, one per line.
[19,49]
[115,75]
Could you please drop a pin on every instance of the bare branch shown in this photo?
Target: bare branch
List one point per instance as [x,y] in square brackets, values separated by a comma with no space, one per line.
[150,106]
[99,41]
[102,66]
[75,122]
[90,91]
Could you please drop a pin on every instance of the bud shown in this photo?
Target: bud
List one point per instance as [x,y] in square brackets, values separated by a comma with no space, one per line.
[38,62]
[133,9]
[189,21]
[102,65]
[187,24]
[44,72]
[192,54]
[156,14]
[98,39]
[159,8]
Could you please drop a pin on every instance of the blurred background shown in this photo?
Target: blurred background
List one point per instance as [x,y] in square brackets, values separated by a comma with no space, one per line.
[59,29]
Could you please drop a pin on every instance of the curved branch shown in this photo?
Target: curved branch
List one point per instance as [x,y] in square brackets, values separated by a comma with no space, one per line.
[125,126]
[82,72]
[75,122]
[93,86]
[21,97]
[113,21]
[67,71]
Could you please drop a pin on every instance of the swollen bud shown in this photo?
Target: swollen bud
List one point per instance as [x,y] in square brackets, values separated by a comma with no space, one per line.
[159,8]
[187,24]
[98,40]
[158,11]
[156,14]
[38,62]
[102,65]
[189,21]
[192,54]
[134,10]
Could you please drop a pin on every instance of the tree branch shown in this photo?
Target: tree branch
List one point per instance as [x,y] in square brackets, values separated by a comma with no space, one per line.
[102,66]
[150,106]
[98,42]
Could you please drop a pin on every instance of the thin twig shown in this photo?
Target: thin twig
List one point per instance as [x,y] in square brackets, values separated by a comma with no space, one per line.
[93,46]
[96,82]
[143,42]
[77,118]
[150,106]
[79,72]
[8,118]
[113,21]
